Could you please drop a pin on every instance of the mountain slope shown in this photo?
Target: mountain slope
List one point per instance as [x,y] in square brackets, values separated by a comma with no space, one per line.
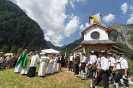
[50,45]
[72,45]
[17,30]
[123,34]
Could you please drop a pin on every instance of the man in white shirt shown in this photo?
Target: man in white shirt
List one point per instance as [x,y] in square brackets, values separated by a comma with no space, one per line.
[121,70]
[83,65]
[112,64]
[33,64]
[103,70]
[92,67]
[71,62]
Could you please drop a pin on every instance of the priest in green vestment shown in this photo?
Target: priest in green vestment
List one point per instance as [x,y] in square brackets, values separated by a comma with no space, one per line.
[19,64]
[26,63]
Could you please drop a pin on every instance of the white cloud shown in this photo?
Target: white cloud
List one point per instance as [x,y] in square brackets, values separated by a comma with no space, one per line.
[109,18]
[124,8]
[80,0]
[71,3]
[130,20]
[82,27]
[87,25]
[131,7]
[51,16]
[13,1]
[71,26]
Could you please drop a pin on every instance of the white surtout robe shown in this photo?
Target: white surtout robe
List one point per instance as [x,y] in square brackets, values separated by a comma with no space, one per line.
[34,61]
[50,66]
[18,68]
[55,64]
[42,68]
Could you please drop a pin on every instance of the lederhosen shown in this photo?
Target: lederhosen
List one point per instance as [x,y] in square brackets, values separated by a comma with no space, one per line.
[83,64]
[102,75]
[111,69]
[92,70]
[70,65]
[119,74]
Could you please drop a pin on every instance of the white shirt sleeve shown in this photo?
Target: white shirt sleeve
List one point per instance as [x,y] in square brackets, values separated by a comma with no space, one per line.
[125,64]
[95,59]
[105,65]
[84,60]
[38,58]
[113,61]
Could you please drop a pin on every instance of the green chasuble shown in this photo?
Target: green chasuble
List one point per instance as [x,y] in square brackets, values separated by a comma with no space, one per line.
[26,60]
[21,58]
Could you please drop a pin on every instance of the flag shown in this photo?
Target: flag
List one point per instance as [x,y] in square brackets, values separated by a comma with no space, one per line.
[108,51]
[96,18]
[65,54]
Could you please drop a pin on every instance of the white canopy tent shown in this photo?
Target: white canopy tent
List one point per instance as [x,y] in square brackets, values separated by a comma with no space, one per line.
[49,51]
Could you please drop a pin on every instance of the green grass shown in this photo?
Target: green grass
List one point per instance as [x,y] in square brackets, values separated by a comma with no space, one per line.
[64,79]
[8,79]
[130,66]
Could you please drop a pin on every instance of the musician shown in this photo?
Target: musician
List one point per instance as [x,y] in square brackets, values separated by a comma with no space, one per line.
[76,63]
[92,67]
[112,64]
[71,62]
[121,70]
[83,65]
[103,70]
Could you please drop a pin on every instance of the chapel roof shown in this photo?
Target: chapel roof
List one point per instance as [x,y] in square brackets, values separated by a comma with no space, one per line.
[99,25]
[97,42]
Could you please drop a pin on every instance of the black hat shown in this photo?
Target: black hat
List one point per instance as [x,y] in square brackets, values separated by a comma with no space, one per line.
[109,53]
[83,53]
[119,53]
[91,51]
[102,51]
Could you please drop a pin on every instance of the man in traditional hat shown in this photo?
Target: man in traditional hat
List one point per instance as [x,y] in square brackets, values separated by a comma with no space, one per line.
[71,62]
[112,64]
[92,67]
[83,65]
[76,63]
[103,70]
[121,70]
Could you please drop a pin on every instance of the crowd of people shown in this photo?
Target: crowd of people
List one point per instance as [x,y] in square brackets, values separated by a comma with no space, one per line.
[100,66]
[7,61]
[48,63]
[97,66]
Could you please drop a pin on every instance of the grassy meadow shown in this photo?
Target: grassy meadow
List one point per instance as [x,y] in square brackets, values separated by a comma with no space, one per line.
[63,79]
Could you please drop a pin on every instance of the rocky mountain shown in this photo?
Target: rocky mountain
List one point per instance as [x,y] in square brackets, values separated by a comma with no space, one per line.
[17,30]
[123,34]
[50,45]
[71,46]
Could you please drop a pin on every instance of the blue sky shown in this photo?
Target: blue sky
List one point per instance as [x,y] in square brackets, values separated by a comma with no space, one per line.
[63,20]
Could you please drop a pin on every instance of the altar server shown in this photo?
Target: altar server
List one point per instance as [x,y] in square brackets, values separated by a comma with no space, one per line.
[50,65]
[34,61]
[43,63]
